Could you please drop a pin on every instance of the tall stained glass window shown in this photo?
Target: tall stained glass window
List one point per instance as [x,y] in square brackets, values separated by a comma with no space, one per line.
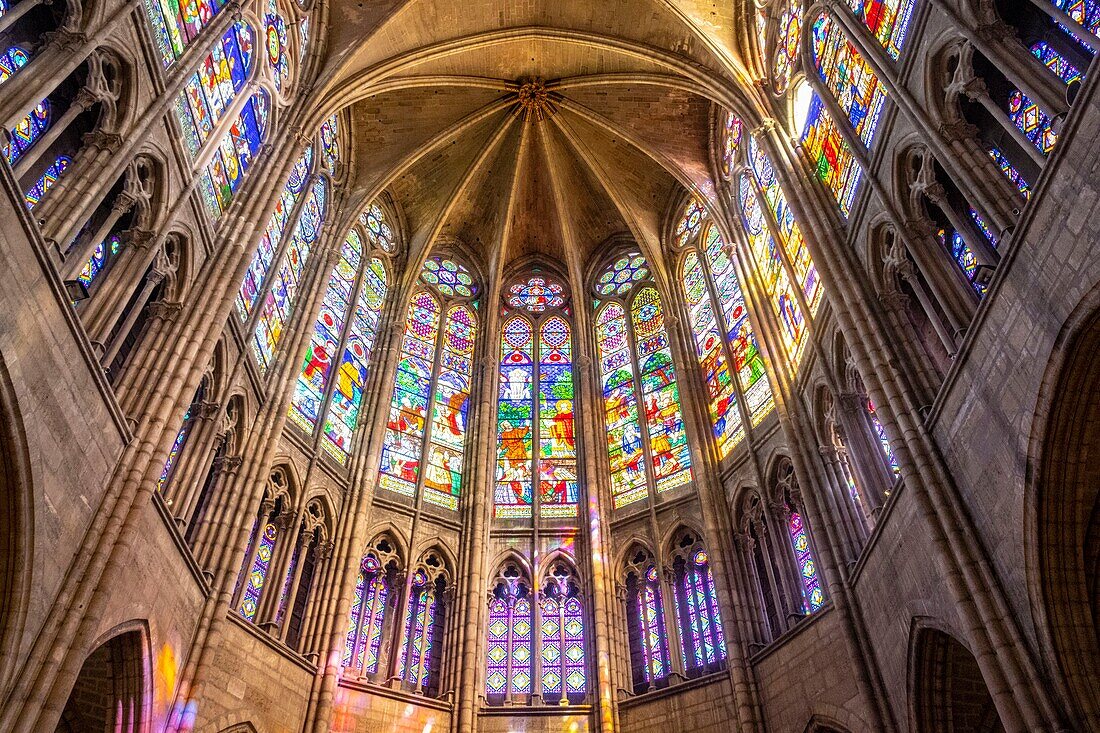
[649,654]
[368,617]
[509,655]
[880,433]
[27,131]
[210,91]
[1010,172]
[830,155]
[848,76]
[256,579]
[433,378]
[234,155]
[330,143]
[284,288]
[46,181]
[698,620]
[275,42]
[888,21]
[346,326]
[1026,115]
[11,61]
[786,47]
[181,440]
[102,258]
[268,246]
[564,678]
[175,25]
[646,441]
[812,594]
[418,661]
[535,407]
[725,343]
[786,226]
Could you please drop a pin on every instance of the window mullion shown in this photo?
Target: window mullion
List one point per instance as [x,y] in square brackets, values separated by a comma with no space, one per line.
[536,357]
[639,397]
[341,346]
[289,232]
[429,423]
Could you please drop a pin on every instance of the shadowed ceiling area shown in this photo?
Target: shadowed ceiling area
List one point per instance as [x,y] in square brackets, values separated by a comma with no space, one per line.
[538,129]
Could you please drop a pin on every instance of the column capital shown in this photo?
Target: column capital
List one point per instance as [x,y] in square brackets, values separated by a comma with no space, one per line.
[228,465]
[108,142]
[164,310]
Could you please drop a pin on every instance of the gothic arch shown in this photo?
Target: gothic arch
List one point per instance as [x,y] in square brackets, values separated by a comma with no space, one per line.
[947,693]
[114,688]
[1062,506]
[390,532]
[16,524]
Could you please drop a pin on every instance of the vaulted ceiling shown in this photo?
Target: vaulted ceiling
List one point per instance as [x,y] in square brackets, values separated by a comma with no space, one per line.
[537,128]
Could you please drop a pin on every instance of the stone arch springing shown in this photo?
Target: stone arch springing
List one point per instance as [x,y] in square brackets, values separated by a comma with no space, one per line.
[1063,541]
[114,687]
[946,689]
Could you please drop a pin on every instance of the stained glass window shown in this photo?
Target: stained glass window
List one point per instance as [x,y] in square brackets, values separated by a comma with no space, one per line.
[748,363]
[770,268]
[722,399]
[647,622]
[847,75]
[234,155]
[562,644]
[690,222]
[964,257]
[448,277]
[104,255]
[888,21]
[1085,12]
[984,227]
[536,294]
[1026,115]
[210,91]
[423,622]
[175,25]
[276,44]
[1010,172]
[378,229]
[368,616]
[830,155]
[12,61]
[790,234]
[812,594]
[880,433]
[535,407]
[257,574]
[284,288]
[786,49]
[510,643]
[731,141]
[340,306]
[636,366]
[178,443]
[47,180]
[273,234]
[421,382]
[330,143]
[27,131]
[702,639]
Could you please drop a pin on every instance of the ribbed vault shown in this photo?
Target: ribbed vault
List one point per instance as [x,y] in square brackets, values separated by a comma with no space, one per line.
[442,118]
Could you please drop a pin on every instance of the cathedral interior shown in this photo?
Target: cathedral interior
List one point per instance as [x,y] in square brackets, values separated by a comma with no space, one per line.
[638,365]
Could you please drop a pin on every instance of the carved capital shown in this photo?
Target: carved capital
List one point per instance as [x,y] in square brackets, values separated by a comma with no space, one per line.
[894,299]
[207,410]
[283,521]
[164,310]
[85,98]
[62,40]
[954,130]
[139,239]
[323,550]
[108,142]
[228,465]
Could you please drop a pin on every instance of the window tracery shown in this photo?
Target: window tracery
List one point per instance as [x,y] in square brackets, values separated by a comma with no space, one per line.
[434,371]
[347,325]
[535,405]
[648,450]
[646,624]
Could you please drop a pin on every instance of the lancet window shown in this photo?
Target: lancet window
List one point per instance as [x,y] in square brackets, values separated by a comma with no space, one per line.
[433,378]
[510,636]
[725,343]
[535,404]
[418,662]
[283,291]
[562,637]
[646,440]
[329,390]
[174,25]
[646,623]
[372,609]
[698,618]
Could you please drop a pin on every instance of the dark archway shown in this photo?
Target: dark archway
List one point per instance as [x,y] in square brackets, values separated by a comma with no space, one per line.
[1067,530]
[110,692]
[15,527]
[948,692]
